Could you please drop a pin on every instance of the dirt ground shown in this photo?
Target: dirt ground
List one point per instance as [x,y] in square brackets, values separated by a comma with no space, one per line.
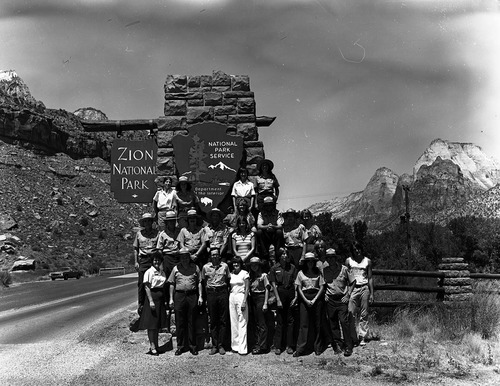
[110,354]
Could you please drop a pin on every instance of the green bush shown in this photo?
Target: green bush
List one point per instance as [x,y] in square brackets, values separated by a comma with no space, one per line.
[5,278]
[485,307]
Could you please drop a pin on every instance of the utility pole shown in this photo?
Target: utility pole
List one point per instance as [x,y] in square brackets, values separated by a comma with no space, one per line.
[406,189]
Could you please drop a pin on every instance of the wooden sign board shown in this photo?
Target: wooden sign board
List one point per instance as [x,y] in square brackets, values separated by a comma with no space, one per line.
[133,170]
[210,158]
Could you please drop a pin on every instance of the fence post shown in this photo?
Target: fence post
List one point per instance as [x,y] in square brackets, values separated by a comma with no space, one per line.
[457,284]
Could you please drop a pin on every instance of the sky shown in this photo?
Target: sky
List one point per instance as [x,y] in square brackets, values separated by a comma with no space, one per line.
[354,85]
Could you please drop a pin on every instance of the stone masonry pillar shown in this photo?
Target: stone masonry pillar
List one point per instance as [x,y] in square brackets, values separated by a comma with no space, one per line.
[219,97]
[457,285]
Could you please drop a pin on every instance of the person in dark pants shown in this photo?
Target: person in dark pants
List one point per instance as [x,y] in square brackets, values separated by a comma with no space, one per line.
[215,276]
[144,245]
[185,295]
[269,228]
[259,294]
[339,286]
[310,288]
[282,277]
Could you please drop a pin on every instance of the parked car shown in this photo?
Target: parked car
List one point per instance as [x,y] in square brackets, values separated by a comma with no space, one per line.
[65,273]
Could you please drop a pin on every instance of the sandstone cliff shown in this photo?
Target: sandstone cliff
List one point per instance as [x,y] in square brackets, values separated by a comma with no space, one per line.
[449,180]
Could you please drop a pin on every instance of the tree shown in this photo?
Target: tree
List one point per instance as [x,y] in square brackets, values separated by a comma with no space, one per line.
[196,156]
[336,233]
[360,231]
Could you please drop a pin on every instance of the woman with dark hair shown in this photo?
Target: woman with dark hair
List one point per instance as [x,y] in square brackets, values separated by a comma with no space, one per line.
[154,315]
[238,310]
[243,188]
[187,200]
[243,240]
[144,245]
[310,287]
[314,234]
[242,209]
[259,294]
[266,183]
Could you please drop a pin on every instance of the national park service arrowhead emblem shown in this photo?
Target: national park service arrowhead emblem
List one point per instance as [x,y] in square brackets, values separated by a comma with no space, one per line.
[209,157]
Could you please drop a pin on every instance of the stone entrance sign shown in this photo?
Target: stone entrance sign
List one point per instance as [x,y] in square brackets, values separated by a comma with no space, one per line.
[210,158]
[133,170]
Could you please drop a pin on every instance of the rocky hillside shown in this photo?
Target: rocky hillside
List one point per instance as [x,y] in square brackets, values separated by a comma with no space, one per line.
[449,179]
[55,201]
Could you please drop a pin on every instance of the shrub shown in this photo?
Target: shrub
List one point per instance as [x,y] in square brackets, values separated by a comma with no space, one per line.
[5,278]
[485,307]
[475,348]
[404,326]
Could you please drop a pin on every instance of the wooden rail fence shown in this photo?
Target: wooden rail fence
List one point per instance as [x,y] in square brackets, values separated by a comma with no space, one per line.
[454,284]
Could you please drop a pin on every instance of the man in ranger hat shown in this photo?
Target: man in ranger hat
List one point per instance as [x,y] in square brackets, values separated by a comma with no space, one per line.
[269,228]
[194,237]
[266,183]
[339,286]
[218,235]
[167,242]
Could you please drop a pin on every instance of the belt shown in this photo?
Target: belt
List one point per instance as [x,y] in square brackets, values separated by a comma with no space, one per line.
[217,289]
[311,291]
[360,285]
[284,287]
[187,292]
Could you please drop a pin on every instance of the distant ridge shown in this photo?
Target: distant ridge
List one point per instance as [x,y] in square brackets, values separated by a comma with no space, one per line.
[450,179]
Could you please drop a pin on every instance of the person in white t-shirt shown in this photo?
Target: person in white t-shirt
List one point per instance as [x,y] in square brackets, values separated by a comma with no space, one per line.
[360,268]
[243,188]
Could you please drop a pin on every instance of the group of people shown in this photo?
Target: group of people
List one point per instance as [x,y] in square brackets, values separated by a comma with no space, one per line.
[267,284]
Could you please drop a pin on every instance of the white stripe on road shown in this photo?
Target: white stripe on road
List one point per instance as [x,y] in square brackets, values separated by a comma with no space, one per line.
[35,306]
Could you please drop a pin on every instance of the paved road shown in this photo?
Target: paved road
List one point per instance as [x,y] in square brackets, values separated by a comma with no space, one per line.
[56,310]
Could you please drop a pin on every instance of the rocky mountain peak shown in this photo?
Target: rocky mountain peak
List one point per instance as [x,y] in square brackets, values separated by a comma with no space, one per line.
[90,114]
[482,170]
[14,90]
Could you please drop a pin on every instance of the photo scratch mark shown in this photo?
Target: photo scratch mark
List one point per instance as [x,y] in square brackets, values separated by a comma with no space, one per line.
[133,23]
[354,61]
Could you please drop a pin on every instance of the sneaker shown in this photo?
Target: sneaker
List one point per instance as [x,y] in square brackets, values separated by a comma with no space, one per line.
[277,351]
[213,351]
[348,352]
[289,350]
[222,351]
[362,342]
[336,349]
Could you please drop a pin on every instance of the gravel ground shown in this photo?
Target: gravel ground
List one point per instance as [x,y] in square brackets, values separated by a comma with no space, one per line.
[109,354]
